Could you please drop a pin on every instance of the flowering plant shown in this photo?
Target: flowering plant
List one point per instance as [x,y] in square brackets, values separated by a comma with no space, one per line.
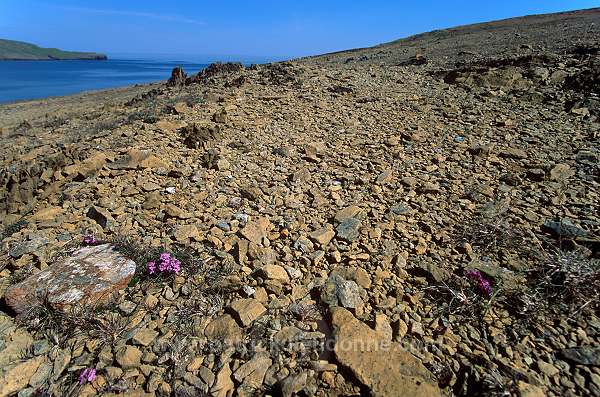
[87,375]
[166,264]
[89,239]
[483,284]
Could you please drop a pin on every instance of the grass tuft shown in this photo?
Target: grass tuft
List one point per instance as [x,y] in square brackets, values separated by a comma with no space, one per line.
[13,228]
[571,277]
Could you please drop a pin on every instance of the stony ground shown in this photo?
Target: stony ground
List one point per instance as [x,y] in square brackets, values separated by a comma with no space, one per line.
[343,228]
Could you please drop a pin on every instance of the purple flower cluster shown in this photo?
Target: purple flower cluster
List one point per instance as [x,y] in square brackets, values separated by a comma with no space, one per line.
[90,240]
[87,375]
[483,284]
[167,264]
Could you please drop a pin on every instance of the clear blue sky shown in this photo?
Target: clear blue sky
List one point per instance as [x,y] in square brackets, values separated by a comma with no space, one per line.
[244,27]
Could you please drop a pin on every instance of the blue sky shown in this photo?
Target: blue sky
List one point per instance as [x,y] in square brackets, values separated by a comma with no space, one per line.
[277,29]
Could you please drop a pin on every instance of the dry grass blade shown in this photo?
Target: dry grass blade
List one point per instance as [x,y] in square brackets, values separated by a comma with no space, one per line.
[202,305]
[572,277]
[489,231]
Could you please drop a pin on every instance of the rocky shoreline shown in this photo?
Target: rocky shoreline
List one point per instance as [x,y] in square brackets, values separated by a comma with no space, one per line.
[321,227]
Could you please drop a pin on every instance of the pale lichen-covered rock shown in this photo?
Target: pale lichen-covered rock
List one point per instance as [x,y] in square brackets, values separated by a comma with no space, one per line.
[89,275]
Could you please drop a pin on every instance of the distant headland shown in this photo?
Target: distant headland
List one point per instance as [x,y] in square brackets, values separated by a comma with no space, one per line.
[20,51]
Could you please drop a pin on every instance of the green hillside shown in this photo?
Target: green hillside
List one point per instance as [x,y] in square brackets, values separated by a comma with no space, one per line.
[18,50]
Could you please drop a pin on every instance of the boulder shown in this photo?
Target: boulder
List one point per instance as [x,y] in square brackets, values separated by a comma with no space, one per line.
[89,275]
[382,366]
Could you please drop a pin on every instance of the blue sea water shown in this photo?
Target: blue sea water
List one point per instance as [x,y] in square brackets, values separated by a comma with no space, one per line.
[20,80]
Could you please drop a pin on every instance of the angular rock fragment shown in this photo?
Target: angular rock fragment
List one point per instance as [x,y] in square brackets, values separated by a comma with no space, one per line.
[323,235]
[100,216]
[583,355]
[224,329]
[348,229]
[28,247]
[223,386]
[248,310]
[253,372]
[340,292]
[18,377]
[382,366]
[274,272]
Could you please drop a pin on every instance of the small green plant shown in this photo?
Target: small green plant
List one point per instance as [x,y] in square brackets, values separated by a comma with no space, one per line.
[61,324]
[306,312]
[13,228]
[21,274]
[54,122]
[146,116]
[137,252]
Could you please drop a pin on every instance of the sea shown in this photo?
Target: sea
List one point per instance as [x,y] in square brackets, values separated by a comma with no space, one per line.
[23,80]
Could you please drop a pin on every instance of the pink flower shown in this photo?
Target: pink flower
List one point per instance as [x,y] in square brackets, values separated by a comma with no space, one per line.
[169,264]
[482,283]
[89,240]
[87,375]
[166,264]
[485,286]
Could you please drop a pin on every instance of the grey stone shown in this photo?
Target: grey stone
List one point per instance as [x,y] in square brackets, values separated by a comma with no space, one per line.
[28,247]
[348,229]
[564,228]
[340,292]
[584,355]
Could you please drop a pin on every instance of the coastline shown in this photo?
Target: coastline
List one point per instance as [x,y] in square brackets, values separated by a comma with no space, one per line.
[24,81]
[83,93]
[15,112]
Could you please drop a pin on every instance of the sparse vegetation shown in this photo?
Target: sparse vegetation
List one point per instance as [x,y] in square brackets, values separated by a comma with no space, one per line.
[567,277]
[13,228]
[489,231]
[54,122]
[19,50]
[277,227]
[147,116]
[60,324]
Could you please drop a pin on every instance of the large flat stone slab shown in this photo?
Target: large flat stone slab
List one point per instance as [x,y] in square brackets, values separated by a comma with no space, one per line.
[380,364]
[89,275]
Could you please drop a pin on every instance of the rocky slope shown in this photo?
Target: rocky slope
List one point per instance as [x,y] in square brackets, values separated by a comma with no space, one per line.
[313,227]
[11,50]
